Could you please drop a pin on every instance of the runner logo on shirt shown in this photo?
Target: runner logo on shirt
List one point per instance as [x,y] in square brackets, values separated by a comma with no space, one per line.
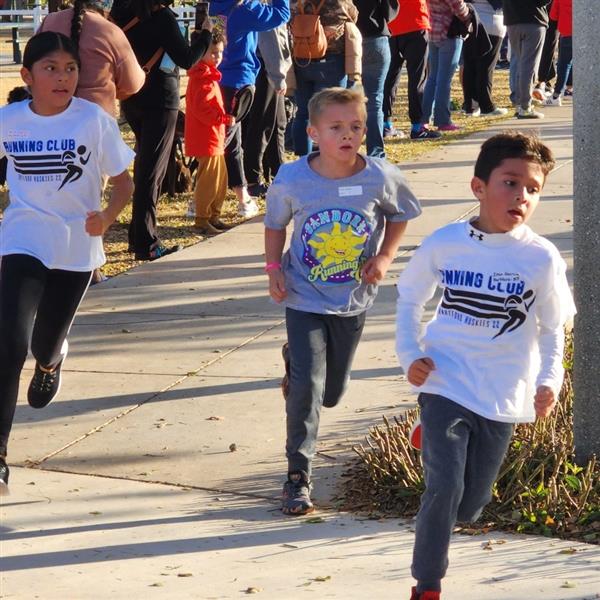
[506,311]
[50,160]
[334,242]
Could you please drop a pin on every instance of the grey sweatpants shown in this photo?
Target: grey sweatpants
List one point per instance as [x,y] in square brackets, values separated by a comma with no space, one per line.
[462,454]
[526,42]
[321,349]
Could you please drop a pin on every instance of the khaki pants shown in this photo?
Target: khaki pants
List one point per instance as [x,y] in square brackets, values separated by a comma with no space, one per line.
[211,186]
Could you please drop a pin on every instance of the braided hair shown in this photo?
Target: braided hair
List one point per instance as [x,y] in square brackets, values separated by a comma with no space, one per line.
[78,11]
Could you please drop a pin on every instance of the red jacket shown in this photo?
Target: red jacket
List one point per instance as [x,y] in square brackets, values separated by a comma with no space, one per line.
[204,112]
[562,11]
[413,16]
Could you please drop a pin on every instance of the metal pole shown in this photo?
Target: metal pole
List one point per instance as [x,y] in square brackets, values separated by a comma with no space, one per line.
[586,125]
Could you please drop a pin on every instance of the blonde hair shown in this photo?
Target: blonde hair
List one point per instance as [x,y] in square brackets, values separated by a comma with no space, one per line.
[335,95]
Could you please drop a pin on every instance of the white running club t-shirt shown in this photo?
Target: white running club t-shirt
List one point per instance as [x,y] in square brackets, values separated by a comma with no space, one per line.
[56,166]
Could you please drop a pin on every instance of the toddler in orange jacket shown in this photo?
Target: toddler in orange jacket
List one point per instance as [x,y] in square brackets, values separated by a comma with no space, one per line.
[204,136]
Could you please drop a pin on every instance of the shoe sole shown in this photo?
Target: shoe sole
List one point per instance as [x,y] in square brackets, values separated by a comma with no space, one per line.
[299,513]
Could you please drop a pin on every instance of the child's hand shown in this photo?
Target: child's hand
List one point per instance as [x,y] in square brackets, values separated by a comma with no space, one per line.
[96,223]
[544,401]
[277,285]
[419,370]
[229,120]
[375,268]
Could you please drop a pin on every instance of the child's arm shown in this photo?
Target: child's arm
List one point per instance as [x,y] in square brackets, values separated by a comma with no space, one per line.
[274,244]
[376,267]
[416,287]
[98,222]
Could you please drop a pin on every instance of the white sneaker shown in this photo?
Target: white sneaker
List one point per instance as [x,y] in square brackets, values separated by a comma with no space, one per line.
[191,210]
[552,101]
[529,113]
[497,112]
[248,209]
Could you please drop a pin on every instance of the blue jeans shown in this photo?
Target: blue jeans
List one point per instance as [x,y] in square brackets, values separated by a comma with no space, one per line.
[565,62]
[310,79]
[375,63]
[442,63]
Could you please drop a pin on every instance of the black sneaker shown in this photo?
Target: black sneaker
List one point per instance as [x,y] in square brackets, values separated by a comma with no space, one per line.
[218,224]
[45,386]
[296,495]
[285,382]
[425,134]
[158,252]
[4,473]
[258,189]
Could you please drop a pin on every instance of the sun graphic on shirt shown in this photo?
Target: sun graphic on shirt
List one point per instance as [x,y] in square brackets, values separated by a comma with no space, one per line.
[338,246]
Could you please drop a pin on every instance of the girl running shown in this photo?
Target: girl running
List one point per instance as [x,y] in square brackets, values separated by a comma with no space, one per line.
[59,148]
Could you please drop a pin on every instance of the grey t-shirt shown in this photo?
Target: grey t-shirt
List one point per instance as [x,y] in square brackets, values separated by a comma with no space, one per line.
[338,225]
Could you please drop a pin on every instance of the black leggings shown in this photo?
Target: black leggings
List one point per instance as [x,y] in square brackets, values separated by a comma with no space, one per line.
[36,303]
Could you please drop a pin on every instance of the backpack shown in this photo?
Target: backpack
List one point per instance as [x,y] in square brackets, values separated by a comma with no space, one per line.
[308,35]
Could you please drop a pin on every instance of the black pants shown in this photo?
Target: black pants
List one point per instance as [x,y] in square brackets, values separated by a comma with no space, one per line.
[412,49]
[154,130]
[478,77]
[234,153]
[547,68]
[36,303]
[261,128]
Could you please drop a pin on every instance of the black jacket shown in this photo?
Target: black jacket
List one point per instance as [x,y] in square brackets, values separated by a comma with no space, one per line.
[160,30]
[374,15]
[517,12]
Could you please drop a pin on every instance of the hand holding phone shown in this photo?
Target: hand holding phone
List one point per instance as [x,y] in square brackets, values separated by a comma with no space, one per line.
[201,15]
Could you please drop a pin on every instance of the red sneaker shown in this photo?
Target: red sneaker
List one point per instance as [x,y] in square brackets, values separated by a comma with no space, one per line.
[427,595]
[414,437]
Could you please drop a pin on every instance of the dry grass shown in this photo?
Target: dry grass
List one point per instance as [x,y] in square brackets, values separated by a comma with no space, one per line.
[176,228]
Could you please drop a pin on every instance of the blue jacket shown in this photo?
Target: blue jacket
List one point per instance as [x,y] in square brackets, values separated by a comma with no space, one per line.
[240,65]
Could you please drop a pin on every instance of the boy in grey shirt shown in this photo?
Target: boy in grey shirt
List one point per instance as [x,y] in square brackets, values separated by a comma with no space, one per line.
[349,214]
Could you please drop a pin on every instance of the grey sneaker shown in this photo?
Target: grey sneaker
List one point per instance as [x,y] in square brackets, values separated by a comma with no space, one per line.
[296,495]
[44,386]
[4,473]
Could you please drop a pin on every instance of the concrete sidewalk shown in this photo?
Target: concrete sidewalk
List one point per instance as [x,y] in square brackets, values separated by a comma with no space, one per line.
[127,487]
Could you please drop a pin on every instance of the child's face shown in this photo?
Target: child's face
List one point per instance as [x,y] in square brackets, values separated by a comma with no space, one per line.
[52,81]
[214,55]
[510,196]
[339,130]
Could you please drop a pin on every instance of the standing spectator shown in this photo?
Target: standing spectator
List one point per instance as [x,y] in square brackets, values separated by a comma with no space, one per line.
[240,66]
[444,53]
[160,47]
[109,68]
[315,75]
[264,129]
[409,44]
[373,19]
[526,21]
[205,122]
[547,69]
[562,13]
[478,73]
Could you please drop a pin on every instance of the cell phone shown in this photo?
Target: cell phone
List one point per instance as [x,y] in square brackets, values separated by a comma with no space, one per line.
[201,14]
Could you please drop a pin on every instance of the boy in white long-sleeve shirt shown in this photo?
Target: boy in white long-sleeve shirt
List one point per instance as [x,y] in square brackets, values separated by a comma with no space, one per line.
[491,356]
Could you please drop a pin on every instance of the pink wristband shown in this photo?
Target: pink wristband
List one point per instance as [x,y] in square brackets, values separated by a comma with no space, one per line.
[272,266]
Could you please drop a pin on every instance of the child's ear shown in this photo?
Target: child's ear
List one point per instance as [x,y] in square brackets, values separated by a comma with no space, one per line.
[26,75]
[477,187]
[313,134]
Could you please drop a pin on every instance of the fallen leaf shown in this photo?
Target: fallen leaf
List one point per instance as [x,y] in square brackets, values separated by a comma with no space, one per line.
[185,574]
[125,330]
[289,546]
[95,512]
[232,447]
[214,418]
[568,584]
[322,578]
[570,550]
[157,584]
[253,590]
[314,520]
